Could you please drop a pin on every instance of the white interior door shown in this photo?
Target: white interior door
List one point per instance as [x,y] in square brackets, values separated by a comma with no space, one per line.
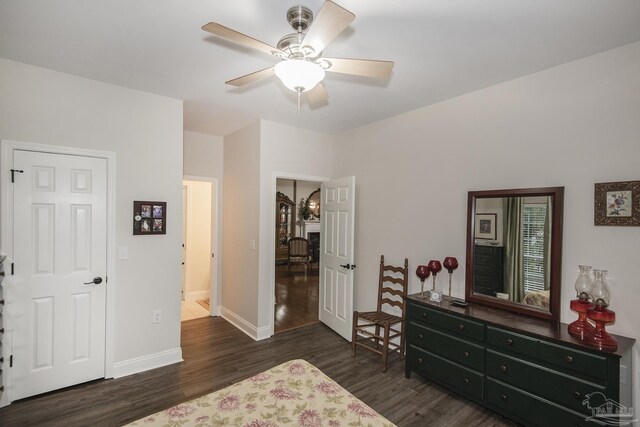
[59,246]
[337,210]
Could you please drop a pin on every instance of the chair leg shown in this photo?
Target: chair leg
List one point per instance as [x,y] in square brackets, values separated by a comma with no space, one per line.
[354,334]
[377,335]
[402,342]
[385,347]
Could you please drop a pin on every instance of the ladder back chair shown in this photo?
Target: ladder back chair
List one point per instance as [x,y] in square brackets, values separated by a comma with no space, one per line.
[392,295]
[299,251]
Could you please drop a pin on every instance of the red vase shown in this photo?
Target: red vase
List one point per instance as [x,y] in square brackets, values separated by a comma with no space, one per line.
[435,267]
[422,272]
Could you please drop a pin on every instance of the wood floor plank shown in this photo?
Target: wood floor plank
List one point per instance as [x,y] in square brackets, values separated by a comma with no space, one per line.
[216,355]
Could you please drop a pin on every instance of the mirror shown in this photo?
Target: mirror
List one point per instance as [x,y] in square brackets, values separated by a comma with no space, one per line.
[514,250]
[312,205]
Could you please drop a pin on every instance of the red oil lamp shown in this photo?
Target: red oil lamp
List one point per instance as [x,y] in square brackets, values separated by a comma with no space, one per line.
[581,327]
[601,315]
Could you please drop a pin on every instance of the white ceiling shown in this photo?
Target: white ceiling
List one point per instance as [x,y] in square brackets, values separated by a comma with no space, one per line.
[441,49]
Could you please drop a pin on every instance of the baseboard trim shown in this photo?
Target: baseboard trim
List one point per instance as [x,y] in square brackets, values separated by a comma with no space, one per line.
[145,363]
[246,327]
[197,295]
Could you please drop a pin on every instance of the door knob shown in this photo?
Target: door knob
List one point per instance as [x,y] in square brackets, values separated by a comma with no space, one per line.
[95,281]
[347,266]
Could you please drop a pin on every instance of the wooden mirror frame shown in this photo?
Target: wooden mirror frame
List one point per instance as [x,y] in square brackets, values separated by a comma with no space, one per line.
[557,194]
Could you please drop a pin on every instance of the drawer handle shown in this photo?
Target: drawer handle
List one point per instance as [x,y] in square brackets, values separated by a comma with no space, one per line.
[466,354]
[504,368]
[509,341]
[420,336]
[460,327]
[577,395]
[424,315]
[569,359]
[467,381]
[504,397]
[419,359]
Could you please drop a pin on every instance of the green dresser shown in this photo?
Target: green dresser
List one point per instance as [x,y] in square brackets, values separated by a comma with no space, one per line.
[527,369]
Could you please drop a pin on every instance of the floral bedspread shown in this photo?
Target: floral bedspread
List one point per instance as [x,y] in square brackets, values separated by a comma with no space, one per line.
[294,393]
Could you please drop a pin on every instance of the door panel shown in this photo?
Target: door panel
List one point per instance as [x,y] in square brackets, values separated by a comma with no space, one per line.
[336,251]
[59,244]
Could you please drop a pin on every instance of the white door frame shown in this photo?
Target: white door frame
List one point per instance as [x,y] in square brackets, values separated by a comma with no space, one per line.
[6,244]
[272,249]
[216,232]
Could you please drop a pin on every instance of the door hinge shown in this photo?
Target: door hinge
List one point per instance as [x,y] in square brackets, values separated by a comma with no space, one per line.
[11,361]
[106,279]
[13,173]
[12,269]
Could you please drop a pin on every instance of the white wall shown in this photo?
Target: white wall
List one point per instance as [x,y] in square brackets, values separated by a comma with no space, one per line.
[241,226]
[145,131]
[203,155]
[253,159]
[286,152]
[198,239]
[572,125]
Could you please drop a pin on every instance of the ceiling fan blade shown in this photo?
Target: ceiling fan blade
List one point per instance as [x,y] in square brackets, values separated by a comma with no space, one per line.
[251,78]
[360,67]
[237,37]
[317,95]
[330,21]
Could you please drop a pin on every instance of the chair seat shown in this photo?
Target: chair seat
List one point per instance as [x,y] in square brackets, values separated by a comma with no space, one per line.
[379,317]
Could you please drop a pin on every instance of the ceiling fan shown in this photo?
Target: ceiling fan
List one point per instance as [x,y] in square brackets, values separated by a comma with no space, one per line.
[302,67]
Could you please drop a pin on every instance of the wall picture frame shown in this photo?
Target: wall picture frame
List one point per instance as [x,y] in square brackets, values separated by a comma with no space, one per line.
[149,218]
[485,226]
[617,203]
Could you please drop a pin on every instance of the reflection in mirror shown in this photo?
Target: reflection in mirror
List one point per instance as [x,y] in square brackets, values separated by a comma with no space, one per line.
[313,205]
[514,256]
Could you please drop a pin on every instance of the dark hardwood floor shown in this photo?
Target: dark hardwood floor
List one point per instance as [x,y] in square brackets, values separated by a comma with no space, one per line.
[296,296]
[216,355]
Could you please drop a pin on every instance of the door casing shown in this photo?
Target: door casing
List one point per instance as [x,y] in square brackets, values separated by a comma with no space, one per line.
[6,245]
[216,232]
[272,250]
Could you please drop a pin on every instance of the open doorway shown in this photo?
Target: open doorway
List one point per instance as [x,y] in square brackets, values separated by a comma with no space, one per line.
[198,275]
[296,279]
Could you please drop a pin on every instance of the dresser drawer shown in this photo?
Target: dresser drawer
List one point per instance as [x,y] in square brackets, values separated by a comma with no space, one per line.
[516,343]
[574,360]
[531,408]
[591,365]
[560,388]
[460,378]
[457,350]
[483,250]
[485,271]
[461,327]
[483,260]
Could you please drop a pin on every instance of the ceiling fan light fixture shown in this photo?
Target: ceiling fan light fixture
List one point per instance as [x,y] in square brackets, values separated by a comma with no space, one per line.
[299,75]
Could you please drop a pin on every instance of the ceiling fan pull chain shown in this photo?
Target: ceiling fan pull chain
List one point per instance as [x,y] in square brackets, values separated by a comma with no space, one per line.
[299,91]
